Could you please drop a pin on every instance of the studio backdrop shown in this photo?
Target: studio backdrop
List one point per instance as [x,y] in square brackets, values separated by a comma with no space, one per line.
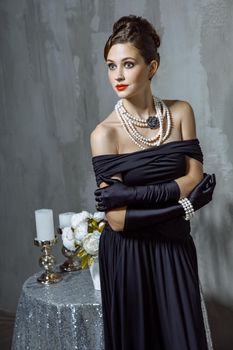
[53,92]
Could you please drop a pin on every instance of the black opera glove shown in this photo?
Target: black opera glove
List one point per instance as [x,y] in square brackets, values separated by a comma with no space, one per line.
[206,188]
[142,218]
[117,194]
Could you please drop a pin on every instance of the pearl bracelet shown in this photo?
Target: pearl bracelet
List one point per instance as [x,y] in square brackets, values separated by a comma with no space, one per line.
[188,208]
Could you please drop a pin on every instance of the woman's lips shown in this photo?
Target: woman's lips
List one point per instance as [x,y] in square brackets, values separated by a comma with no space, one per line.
[121,87]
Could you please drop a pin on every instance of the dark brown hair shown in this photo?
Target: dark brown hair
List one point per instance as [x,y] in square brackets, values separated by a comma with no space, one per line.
[138,31]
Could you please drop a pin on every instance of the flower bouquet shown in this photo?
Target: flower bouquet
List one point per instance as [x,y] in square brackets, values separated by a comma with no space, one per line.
[83,237]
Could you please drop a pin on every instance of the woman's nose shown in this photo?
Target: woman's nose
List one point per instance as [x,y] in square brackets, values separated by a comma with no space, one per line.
[119,75]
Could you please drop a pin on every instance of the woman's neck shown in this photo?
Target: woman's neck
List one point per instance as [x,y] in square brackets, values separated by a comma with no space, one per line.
[140,106]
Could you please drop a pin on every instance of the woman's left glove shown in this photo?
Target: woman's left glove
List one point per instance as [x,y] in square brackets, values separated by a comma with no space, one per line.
[117,194]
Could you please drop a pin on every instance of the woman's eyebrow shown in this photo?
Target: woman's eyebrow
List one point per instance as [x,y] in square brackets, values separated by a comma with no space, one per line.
[124,59]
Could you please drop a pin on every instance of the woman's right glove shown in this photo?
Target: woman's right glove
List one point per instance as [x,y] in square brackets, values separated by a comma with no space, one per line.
[142,218]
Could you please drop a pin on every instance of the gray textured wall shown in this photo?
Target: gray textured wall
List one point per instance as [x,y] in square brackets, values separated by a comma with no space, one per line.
[54,90]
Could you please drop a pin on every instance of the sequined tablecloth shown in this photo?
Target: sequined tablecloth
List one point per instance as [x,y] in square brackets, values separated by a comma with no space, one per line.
[61,316]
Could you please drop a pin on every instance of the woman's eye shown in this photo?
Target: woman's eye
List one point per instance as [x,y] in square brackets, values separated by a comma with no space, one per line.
[129,64]
[111,66]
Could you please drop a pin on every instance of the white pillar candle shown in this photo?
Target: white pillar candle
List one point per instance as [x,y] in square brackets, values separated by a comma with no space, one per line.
[65,219]
[44,224]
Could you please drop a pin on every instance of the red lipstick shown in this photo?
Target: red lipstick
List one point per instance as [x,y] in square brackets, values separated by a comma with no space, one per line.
[121,87]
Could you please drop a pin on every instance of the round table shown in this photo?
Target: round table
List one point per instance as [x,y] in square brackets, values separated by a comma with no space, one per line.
[60,316]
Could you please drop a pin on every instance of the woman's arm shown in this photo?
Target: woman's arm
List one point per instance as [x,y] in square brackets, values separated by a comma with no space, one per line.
[131,218]
[194,168]
[102,142]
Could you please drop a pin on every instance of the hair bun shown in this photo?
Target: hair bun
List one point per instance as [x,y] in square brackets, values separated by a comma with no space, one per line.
[139,25]
[123,22]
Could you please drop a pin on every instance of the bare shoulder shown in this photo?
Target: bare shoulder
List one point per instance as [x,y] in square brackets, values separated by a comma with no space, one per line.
[182,113]
[103,137]
[179,108]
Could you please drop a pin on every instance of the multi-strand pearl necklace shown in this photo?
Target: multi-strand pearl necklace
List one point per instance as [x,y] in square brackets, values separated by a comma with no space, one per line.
[130,122]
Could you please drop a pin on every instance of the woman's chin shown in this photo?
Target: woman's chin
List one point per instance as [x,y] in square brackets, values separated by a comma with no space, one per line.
[124,94]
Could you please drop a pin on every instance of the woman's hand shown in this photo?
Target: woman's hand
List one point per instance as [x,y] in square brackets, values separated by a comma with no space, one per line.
[203,192]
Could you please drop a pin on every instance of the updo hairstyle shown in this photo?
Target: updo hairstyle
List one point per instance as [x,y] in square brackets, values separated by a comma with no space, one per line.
[138,31]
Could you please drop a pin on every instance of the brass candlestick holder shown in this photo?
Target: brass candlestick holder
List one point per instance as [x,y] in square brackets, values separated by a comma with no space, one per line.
[73,262]
[47,260]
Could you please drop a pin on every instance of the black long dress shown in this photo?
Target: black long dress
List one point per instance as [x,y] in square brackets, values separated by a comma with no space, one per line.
[151,297]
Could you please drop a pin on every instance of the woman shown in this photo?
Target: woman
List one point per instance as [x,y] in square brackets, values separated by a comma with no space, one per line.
[148,165]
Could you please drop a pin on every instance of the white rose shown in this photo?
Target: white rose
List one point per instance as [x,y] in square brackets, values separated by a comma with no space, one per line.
[96,234]
[80,217]
[68,238]
[99,216]
[80,232]
[91,243]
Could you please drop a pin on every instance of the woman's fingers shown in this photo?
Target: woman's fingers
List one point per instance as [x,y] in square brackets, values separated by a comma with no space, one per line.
[210,185]
[206,178]
[99,207]
[213,179]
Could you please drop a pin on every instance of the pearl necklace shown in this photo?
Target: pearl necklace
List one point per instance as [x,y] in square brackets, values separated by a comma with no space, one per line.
[129,122]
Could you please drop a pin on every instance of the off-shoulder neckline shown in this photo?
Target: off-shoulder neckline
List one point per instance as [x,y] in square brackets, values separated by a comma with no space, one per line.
[142,150]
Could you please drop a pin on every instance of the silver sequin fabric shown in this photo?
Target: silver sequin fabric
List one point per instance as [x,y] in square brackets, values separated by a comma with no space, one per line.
[63,316]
